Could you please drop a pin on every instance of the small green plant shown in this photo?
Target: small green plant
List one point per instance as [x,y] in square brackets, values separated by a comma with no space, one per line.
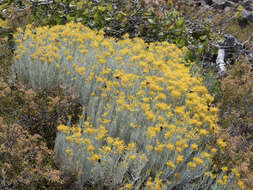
[238,13]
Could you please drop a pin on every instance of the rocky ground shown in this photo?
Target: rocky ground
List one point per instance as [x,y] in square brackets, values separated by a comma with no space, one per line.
[234,20]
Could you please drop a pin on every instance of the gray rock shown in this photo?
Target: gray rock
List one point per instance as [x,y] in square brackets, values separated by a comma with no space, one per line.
[227,9]
[219,1]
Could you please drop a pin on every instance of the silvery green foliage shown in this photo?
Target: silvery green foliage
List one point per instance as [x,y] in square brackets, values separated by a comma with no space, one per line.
[111,171]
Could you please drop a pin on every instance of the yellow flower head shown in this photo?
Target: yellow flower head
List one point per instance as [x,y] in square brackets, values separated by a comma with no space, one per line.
[180,158]
[194,146]
[170,164]
[191,165]
[198,160]
[68,152]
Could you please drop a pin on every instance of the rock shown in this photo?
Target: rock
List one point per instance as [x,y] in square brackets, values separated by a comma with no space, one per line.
[248,5]
[220,60]
[247,17]
[222,6]
[208,2]
[230,45]
[219,1]
[235,1]
[227,9]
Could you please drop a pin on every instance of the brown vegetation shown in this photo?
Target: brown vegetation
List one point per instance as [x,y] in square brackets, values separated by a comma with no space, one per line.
[236,118]
[26,162]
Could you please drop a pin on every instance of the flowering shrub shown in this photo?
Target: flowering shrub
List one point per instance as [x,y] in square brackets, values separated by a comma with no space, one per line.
[146,122]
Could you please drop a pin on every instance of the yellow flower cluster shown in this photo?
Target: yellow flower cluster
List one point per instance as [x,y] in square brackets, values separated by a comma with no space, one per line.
[145,110]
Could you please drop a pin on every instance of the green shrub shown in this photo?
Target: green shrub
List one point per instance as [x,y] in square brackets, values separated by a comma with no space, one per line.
[116,17]
[147,122]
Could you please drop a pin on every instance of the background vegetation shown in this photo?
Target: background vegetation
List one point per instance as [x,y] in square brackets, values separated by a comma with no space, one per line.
[38,112]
